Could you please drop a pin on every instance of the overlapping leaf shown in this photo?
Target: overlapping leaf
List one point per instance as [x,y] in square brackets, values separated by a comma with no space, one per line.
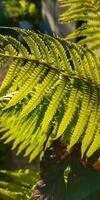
[17,184]
[51,90]
[88,12]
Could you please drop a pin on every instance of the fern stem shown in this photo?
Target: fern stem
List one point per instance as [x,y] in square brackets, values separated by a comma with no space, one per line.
[37,62]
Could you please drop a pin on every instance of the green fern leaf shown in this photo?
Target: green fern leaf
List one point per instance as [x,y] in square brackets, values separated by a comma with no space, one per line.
[92,125]
[95,144]
[51,91]
[70,110]
[85,111]
[10,75]
[31,82]
[40,92]
[88,12]
[56,98]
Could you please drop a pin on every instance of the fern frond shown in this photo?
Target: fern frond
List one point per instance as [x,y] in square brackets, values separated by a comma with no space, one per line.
[41,90]
[54,87]
[16,185]
[54,103]
[88,12]
[70,110]
[83,117]
[25,72]
[92,125]
[10,75]
[95,144]
[19,47]
[30,83]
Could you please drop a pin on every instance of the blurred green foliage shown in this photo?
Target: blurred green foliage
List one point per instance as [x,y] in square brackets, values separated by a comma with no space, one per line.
[16,185]
[12,12]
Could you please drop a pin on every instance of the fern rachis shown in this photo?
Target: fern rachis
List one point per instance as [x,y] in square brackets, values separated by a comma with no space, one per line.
[51,87]
[51,95]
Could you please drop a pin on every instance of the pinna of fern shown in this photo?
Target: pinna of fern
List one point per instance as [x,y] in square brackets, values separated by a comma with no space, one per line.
[54,91]
[87,11]
[16,185]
